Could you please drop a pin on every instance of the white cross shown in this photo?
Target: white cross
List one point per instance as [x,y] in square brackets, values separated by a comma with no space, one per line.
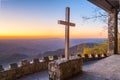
[67,23]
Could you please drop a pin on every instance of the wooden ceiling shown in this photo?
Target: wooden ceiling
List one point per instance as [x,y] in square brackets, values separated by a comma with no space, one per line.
[107,5]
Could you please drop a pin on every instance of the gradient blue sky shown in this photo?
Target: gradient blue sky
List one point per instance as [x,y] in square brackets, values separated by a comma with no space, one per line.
[39,18]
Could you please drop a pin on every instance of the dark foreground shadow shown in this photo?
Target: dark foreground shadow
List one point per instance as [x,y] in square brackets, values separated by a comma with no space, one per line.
[37,76]
[88,76]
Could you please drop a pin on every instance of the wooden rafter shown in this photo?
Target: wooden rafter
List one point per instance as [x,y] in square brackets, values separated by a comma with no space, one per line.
[107,5]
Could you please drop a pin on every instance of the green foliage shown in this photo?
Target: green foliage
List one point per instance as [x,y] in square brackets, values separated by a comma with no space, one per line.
[87,50]
[98,49]
[50,57]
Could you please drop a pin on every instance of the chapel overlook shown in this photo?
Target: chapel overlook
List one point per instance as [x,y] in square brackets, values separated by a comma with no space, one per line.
[94,58]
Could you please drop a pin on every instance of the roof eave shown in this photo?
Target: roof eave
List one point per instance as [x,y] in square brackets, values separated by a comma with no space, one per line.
[100,4]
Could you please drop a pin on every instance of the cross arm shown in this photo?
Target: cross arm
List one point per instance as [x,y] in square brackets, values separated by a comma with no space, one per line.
[65,23]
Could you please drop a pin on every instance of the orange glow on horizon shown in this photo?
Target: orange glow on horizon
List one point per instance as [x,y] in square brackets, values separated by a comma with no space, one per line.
[30,36]
[25,23]
[52,36]
[17,28]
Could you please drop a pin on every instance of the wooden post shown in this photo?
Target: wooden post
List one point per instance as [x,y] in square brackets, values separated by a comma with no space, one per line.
[67,23]
[67,33]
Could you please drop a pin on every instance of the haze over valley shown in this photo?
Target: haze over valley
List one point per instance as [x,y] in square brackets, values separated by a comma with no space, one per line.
[15,50]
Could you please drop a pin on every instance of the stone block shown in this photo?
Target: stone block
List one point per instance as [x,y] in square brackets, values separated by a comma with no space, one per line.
[25,62]
[19,73]
[50,58]
[36,61]
[1,68]
[11,74]
[93,57]
[106,55]
[79,55]
[86,56]
[64,69]
[96,55]
[46,59]
[26,70]
[16,72]
[82,55]
[13,66]
[90,56]
[55,57]
[100,56]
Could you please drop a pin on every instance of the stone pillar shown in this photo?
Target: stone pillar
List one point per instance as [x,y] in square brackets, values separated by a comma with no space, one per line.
[113,32]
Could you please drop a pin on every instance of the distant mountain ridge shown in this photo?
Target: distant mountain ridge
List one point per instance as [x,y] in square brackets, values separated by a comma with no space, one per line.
[77,48]
[15,57]
[17,50]
[38,46]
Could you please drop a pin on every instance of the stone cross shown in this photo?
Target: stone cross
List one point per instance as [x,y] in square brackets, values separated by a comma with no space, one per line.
[67,23]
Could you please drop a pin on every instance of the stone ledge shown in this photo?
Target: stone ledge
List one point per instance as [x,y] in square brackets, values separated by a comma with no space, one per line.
[64,69]
[16,71]
[27,68]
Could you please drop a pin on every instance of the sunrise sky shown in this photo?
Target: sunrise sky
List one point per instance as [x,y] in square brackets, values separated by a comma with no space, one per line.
[39,19]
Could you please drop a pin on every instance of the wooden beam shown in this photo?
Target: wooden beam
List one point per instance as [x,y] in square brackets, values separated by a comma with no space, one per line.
[102,4]
[65,23]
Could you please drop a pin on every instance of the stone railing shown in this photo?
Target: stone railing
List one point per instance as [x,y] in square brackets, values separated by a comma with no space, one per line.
[91,57]
[63,69]
[25,67]
[16,71]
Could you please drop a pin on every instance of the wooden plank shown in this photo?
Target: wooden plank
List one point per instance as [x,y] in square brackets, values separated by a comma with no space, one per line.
[65,23]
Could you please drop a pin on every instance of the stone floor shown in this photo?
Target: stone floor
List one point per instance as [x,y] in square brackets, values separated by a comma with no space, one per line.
[105,69]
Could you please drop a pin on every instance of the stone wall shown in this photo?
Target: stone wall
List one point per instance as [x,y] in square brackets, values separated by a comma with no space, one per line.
[26,68]
[92,57]
[64,69]
[16,71]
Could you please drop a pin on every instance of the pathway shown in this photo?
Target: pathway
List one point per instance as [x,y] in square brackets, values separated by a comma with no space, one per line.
[105,69]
